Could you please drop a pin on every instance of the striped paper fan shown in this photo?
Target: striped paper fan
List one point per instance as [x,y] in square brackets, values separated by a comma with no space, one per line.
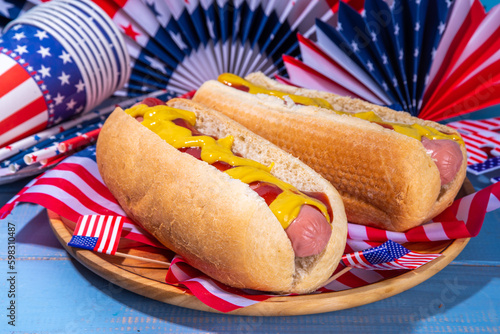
[177,45]
[435,59]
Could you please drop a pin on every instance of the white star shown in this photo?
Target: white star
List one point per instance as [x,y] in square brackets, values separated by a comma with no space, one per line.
[45,71]
[384,59]
[354,46]
[370,66]
[66,57]
[41,34]
[21,49]
[44,52]
[19,35]
[80,86]
[4,8]
[211,29]
[64,78]
[17,27]
[156,64]
[178,40]
[384,85]
[448,3]
[416,52]
[339,26]
[441,27]
[417,26]
[79,109]
[415,78]
[374,36]
[401,54]
[70,105]
[396,29]
[433,53]
[394,82]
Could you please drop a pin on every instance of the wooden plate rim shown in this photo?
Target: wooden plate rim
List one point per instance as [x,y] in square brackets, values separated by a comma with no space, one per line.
[275,306]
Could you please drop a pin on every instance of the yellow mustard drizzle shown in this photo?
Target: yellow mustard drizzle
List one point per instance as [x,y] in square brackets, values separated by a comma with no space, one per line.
[159,119]
[412,130]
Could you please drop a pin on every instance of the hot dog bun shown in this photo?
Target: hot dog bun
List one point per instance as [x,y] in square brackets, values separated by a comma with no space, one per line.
[218,224]
[387,179]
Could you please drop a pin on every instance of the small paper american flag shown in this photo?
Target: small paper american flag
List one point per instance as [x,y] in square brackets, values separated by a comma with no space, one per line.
[388,256]
[98,233]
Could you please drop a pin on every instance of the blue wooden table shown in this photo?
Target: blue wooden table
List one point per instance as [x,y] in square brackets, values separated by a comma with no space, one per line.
[47,291]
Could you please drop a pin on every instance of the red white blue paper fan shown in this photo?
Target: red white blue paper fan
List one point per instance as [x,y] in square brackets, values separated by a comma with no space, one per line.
[178,45]
[435,59]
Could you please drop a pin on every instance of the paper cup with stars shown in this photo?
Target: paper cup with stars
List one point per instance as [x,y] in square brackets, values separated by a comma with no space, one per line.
[40,83]
[66,60]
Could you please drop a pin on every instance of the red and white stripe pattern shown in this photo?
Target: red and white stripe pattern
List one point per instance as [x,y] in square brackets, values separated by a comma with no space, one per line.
[98,233]
[23,109]
[481,138]
[75,188]
[412,260]
[212,293]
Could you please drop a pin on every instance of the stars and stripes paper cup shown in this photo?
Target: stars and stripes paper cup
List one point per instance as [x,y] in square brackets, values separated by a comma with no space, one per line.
[40,83]
[57,60]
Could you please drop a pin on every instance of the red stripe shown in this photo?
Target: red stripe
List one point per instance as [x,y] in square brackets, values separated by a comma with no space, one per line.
[51,203]
[74,191]
[319,76]
[417,234]
[35,129]
[108,6]
[79,223]
[375,234]
[89,179]
[94,228]
[351,280]
[11,78]
[104,241]
[208,298]
[117,234]
[127,234]
[85,226]
[477,210]
[309,44]
[240,293]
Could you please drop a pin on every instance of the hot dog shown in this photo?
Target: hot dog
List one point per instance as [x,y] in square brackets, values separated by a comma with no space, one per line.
[393,171]
[232,204]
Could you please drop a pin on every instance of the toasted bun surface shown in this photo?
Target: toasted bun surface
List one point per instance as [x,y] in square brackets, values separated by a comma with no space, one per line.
[386,179]
[218,224]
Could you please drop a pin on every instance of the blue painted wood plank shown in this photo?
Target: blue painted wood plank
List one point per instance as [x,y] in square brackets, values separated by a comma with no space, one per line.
[61,296]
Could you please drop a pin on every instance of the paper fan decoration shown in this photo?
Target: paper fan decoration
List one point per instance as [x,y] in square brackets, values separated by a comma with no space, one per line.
[435,59]
[178,45]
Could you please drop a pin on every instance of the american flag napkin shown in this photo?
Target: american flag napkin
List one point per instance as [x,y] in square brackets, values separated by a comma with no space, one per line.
[74,188]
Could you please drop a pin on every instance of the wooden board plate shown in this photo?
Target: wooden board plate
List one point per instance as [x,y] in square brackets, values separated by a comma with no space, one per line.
[147,279]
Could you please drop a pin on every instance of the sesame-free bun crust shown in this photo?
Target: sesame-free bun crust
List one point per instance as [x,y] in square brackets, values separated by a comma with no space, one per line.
[218,224]
[386,179]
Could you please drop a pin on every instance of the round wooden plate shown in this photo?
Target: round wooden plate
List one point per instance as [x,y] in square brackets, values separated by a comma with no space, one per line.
[147,279]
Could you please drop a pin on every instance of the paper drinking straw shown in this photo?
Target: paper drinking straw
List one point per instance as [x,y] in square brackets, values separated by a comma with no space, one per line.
[25,143]
[78,141]
[40,155]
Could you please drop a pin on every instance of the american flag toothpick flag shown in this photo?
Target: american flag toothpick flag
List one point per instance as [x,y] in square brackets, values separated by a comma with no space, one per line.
[97,233]
[388,256]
